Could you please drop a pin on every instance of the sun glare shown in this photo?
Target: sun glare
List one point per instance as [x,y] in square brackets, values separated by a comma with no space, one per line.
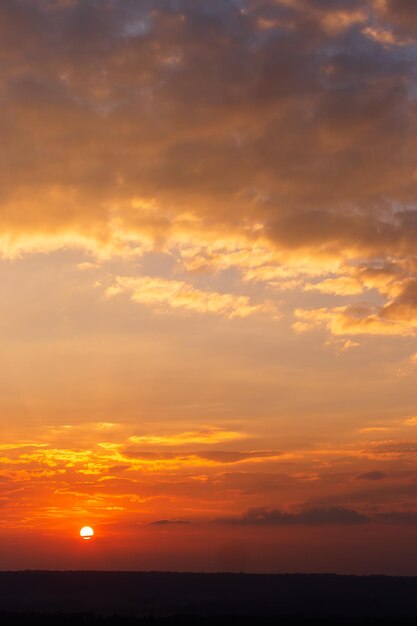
[86,533]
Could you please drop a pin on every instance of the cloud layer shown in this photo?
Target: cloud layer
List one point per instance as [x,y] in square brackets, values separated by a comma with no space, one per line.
[309,517]
[248,134]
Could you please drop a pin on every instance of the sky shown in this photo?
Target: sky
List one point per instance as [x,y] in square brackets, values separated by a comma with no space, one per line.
[208,285]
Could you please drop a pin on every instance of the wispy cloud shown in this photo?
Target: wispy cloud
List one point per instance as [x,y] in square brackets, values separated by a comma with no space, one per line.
[209,436]
[162,294]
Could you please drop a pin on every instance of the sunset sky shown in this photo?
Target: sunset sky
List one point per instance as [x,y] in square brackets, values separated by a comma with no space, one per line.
[208,279]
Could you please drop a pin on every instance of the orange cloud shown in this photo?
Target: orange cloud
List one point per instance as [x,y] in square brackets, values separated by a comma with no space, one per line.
[335,22]
[353,320]
[208,436]
[384,36]
[160,293]
[284,178]
[342,286]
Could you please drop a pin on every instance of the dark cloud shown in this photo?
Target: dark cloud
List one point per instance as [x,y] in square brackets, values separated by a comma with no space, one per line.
[371,476]
[402,14]
[292,124]
[398,517]
[198,105]
[309,517]
[318,516]
[274,517]
[219,456]
[408,447]
[168,522]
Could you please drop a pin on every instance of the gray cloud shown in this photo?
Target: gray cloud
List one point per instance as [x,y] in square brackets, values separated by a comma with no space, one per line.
[318,516]
[219,456]
[168,522]
[401,14]
[201,104]
[398,517]
[309,517]
[372,476]
[289,124]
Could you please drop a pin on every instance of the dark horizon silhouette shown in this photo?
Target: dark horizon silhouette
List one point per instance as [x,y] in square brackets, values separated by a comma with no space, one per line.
[213,598]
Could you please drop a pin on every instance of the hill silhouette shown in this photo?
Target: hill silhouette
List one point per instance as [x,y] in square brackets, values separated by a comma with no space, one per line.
[187,598]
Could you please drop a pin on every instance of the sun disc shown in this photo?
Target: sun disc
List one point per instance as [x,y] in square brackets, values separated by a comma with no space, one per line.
[86,533]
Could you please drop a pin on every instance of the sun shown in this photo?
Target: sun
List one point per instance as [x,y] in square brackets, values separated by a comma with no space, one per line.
[86,533]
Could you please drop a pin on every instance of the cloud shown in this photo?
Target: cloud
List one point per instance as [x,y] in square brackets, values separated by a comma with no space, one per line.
[165,294]
[207,436]
[394,282]
[360,319]
[169,522]
[396,448]
[288,124]
[384,36]
[112,470]
[241,456]
[309,517]
[274,140]
[401,14]
[341,286]
[318,517]
[159,460]
[398,517]
[372,476]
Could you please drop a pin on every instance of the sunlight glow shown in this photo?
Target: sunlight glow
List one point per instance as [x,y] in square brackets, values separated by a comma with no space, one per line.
[86,533]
